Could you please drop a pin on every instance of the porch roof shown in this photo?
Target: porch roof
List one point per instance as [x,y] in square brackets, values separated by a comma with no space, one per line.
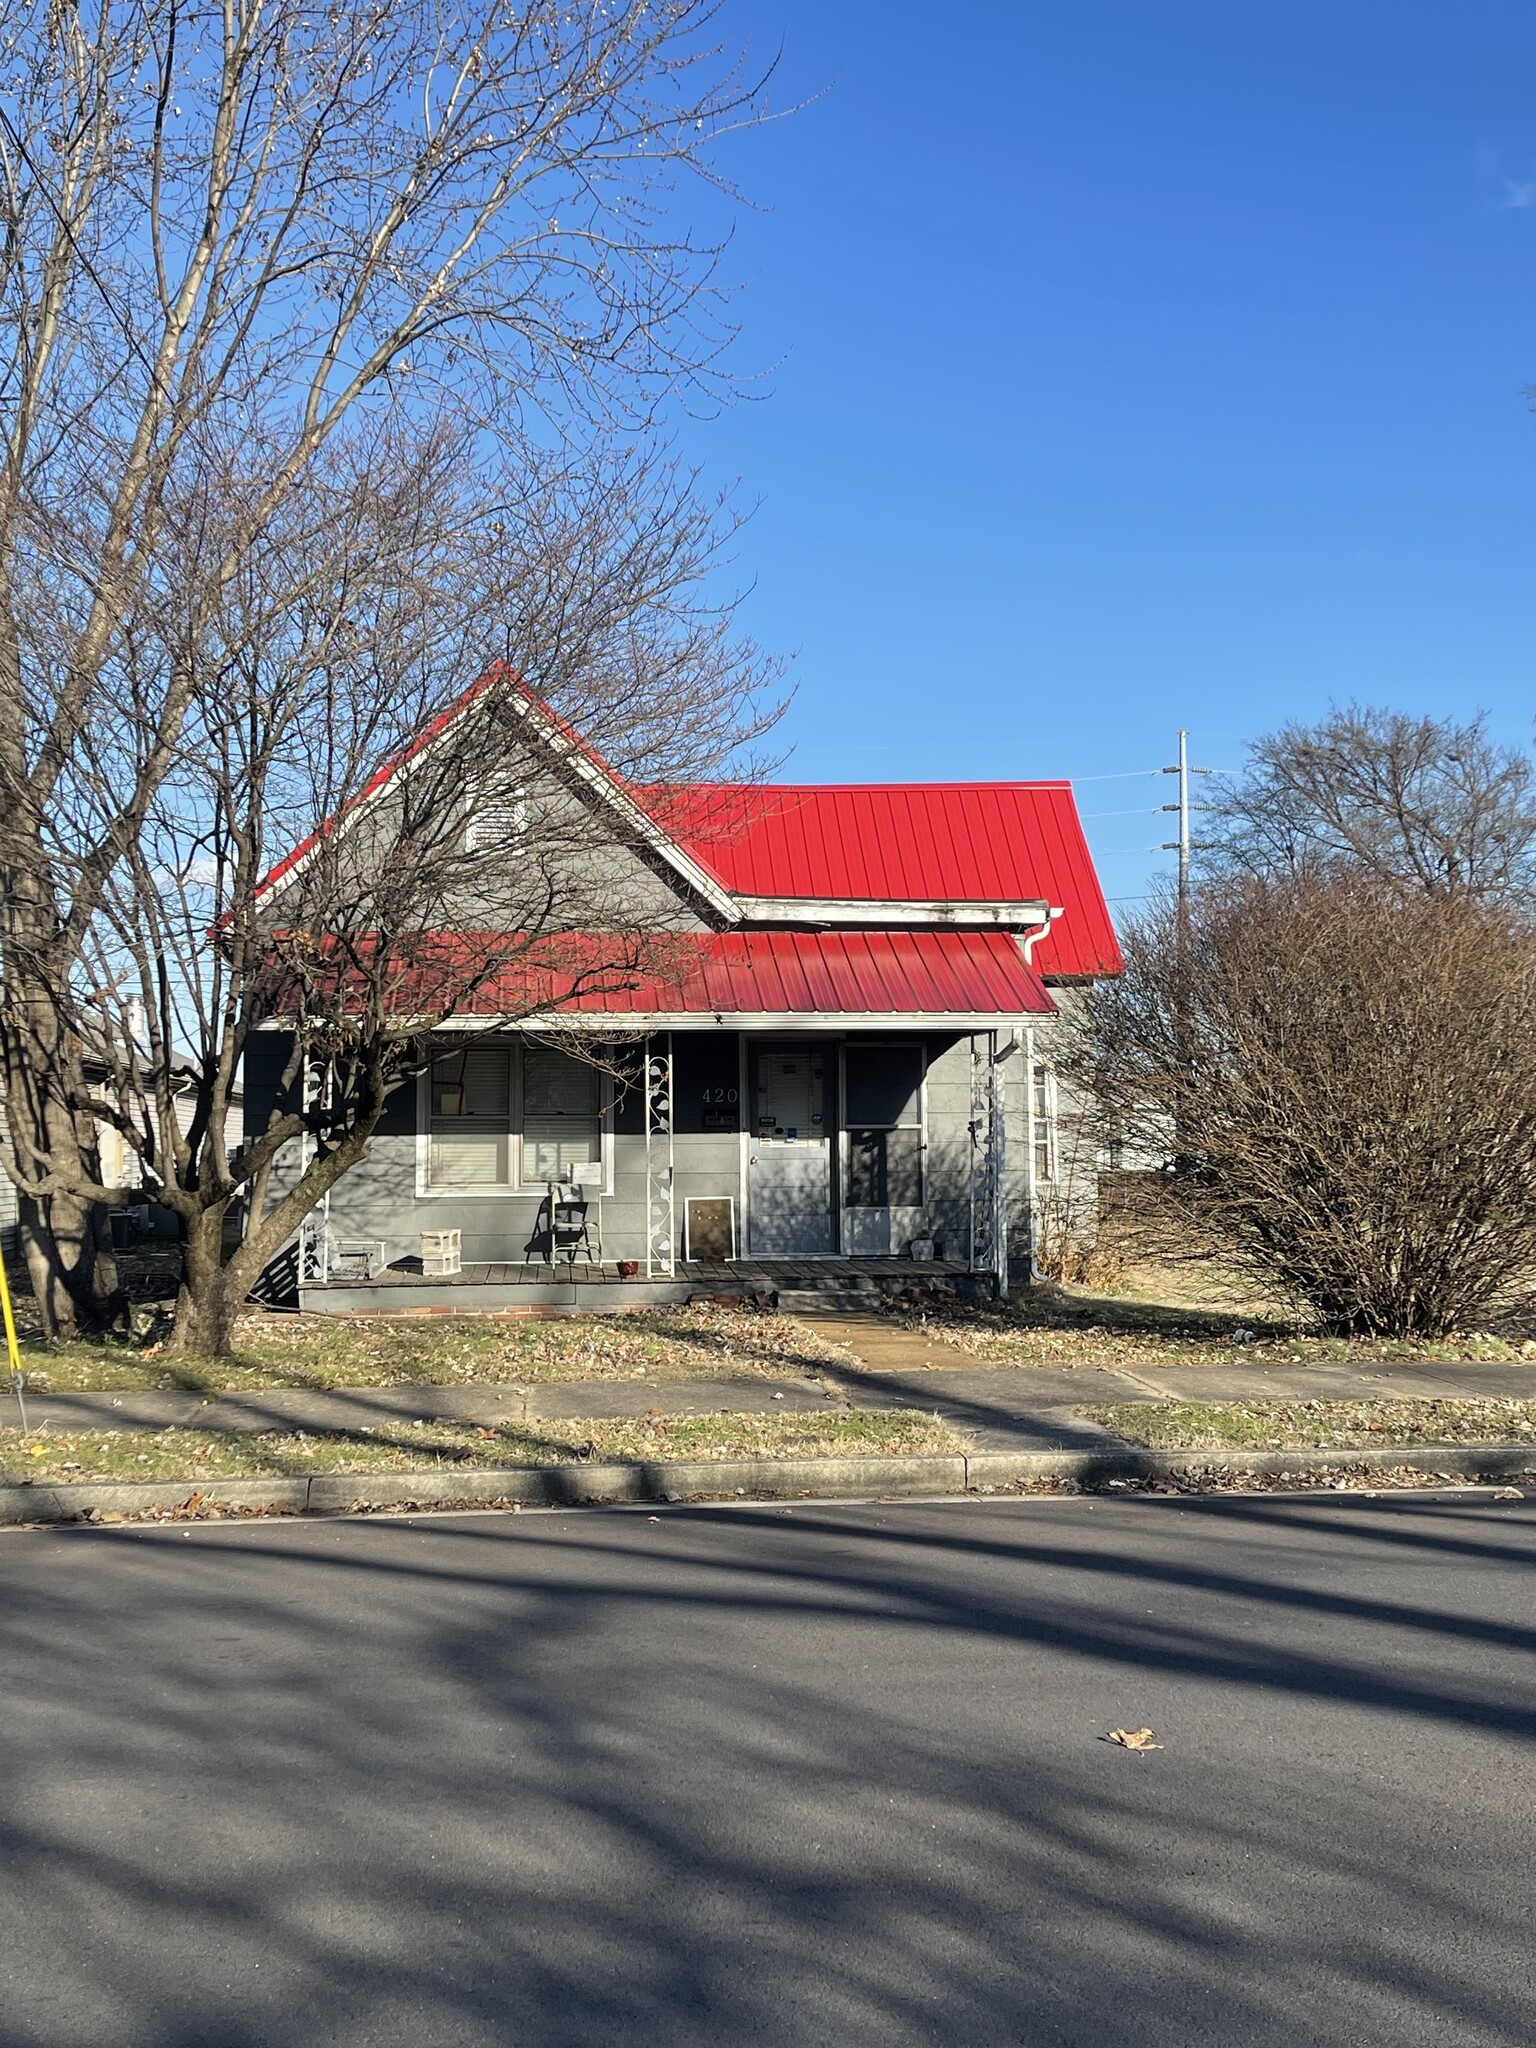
[738,976]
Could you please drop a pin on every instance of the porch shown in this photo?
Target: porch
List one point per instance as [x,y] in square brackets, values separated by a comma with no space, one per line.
[538,1288]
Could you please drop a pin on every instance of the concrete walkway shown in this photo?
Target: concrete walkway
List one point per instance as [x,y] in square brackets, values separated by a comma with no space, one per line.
[997,1407]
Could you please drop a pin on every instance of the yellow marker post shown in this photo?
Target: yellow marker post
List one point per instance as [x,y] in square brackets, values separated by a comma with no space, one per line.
[13,1349]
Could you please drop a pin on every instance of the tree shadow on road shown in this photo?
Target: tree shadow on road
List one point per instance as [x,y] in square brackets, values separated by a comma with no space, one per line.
[772,1776]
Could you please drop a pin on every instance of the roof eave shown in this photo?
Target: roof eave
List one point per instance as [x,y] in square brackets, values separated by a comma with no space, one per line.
[872,913]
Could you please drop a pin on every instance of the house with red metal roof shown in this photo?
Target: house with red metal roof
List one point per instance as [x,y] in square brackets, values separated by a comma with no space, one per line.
[836,1074]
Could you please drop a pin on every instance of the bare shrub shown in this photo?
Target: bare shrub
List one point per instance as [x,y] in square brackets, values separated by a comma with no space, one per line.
[1343,1078]
[1064,1254]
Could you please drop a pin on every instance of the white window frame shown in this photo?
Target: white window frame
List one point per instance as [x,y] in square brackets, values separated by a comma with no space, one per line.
[517,1188]
[1042,1124]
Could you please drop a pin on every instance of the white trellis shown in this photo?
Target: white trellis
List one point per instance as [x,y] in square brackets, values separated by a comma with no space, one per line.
[660,1214]
[315,1230]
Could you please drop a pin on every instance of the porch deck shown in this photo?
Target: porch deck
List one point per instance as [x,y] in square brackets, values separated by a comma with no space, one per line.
[591,1288]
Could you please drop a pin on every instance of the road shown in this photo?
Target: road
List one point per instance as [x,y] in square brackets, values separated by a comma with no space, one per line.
[775,1776]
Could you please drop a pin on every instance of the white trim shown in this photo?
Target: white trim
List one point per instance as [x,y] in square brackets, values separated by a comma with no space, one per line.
[573,755]
[633,1024]
[877,913]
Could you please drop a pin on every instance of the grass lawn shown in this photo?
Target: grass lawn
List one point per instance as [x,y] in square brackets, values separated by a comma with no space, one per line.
[395,1351]
[1069,1326]
[435,1447]
[1315,1425]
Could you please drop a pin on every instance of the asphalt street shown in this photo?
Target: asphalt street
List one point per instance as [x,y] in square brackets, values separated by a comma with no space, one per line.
[778,1776]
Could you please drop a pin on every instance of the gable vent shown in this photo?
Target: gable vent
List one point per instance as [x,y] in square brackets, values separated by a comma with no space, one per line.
[496,823]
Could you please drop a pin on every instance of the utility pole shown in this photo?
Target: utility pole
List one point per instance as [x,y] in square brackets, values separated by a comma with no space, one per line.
[1184,844]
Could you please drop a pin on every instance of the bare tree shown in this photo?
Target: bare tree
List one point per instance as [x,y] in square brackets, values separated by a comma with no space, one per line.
[1350,1077]
[234,237]
[440,838]
[1421,804]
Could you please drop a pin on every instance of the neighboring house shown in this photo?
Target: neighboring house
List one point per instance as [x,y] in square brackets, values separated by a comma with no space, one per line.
[120,1166]
[846,1058]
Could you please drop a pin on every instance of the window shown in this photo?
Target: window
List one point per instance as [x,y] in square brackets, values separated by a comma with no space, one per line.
[508,1116]
[471,1131]
[1044,1117]
[562,1114]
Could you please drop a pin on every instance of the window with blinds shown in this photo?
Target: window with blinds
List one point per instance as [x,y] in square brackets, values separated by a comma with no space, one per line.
[471,1128]
[504,1115]
[562,1114]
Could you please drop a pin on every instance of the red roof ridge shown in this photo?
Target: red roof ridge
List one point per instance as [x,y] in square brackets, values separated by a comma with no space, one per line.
[769,788]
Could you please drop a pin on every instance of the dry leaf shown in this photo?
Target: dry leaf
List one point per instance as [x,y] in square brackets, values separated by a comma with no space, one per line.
[193,1502]
[1508,1493]
[1139,1739]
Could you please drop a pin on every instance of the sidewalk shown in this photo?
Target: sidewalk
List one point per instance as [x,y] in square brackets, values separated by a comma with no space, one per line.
[998,1407]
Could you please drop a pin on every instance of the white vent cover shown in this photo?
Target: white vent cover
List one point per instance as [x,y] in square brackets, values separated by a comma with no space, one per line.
[499,821]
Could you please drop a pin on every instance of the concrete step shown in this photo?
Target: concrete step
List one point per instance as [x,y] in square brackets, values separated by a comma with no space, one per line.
[807,1300]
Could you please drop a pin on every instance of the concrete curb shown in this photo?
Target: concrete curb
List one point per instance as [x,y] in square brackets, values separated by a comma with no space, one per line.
[726,1478]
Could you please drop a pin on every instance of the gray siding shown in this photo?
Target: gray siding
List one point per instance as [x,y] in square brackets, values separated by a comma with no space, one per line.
[379,1199]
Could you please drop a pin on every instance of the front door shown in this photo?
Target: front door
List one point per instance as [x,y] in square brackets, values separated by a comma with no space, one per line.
[789,1170]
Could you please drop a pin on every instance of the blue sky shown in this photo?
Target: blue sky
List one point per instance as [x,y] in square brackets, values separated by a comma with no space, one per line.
[1140,363]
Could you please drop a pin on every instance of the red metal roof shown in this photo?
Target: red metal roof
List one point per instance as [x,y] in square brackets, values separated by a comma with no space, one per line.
[978,842]
[815,975]
[945,842]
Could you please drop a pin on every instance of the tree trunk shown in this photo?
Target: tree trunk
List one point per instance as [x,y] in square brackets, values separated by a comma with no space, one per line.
[210,1294]
[68,1250]
[64,1235]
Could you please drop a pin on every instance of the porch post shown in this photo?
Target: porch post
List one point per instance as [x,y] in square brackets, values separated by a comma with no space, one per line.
[660,1207]
[989,1164]
[998,1137]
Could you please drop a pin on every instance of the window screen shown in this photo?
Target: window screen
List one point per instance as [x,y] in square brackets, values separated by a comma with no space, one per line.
[885,1169]
[562,1114]
[883,1108]
[471,1117]
[883,1083]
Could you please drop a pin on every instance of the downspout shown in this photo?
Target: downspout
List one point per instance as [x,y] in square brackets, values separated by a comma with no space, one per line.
[1028,941]
[1030,938]
[1035,1275]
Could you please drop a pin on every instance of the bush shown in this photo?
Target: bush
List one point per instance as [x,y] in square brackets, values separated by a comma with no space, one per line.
[1344,1083]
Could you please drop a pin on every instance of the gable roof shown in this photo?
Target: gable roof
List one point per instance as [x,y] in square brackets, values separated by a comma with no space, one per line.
[1009,850]
[580,762]
[957,842]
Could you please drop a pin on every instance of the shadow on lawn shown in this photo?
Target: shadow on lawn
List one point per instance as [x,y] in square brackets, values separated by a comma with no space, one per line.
[780,1778]
[325,1353]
